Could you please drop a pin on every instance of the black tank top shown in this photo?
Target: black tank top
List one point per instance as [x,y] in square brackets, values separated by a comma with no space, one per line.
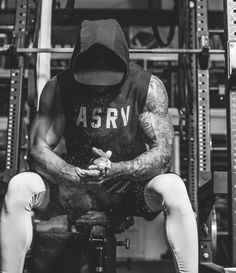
[109,120]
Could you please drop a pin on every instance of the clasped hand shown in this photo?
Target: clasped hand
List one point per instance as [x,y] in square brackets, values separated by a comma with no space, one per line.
[98,168]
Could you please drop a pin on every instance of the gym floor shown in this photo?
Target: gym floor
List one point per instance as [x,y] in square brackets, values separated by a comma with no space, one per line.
[149,267]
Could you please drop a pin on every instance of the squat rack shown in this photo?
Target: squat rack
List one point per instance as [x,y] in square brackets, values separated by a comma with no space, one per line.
[13,148]
[198,121]
[230,28]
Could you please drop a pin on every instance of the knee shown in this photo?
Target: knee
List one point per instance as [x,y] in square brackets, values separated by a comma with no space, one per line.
[22,186]
[172,190]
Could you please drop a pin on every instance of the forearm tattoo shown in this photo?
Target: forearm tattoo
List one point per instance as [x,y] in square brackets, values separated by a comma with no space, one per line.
[158,134]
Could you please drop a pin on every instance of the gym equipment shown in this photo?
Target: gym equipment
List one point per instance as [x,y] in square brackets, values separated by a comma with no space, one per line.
[230,45]
[9,48]
[201,182]
[88,246]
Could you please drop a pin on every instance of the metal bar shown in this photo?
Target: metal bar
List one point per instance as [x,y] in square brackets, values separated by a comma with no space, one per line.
[230,38]
[164,57]
[192,117]
[204,153]
[6,28]
[216,31]
[32,83]
[150,51]
[125,17]
[203,124]
[13,137]
[44,60]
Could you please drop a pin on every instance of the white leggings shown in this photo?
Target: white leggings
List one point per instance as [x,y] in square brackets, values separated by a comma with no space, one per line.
[28,190]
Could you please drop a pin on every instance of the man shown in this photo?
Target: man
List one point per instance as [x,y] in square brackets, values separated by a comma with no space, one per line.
[109,111]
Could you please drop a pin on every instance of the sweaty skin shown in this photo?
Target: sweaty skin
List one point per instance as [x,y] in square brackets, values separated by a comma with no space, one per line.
[158,134]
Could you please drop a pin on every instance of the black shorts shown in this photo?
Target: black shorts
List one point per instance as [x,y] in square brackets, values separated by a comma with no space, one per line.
[131,202]
[134,203]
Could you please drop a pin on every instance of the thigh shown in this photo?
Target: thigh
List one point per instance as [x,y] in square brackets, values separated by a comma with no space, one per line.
[152,198]
[40,192]
[137,204]
[28,189]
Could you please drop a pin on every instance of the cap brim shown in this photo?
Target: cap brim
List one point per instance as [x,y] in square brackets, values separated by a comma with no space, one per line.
[99,77]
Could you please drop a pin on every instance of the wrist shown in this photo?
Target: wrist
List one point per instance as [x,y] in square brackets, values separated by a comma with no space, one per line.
[121,168]
[72,174]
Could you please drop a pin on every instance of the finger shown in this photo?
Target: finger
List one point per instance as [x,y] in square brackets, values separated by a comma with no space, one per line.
[96,167]
[92,173]
[101,160]
[80,172]
[99,152]
[109,153]
[104,172]
[93,167]
[105,165]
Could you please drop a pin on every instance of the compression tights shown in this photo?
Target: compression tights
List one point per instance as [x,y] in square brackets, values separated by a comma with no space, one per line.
[28,190]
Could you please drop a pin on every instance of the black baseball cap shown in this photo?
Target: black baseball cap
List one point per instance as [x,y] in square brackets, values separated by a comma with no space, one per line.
[99,66]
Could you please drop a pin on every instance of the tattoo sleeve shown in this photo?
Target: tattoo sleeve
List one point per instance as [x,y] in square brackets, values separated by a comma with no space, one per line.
[158,134]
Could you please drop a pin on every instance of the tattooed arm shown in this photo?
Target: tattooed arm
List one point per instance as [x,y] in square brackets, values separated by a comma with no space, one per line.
[158,134]
[45,133]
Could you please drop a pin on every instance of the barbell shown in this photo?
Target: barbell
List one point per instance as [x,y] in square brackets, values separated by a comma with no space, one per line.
[5,49]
